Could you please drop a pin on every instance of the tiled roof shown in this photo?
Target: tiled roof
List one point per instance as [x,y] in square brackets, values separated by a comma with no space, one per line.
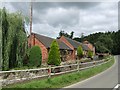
[47,42]
[85,47]
[75,44]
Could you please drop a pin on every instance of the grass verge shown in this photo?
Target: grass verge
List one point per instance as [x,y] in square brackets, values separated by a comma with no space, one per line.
[64,80]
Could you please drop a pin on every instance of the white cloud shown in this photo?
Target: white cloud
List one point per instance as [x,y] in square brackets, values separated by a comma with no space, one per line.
[60,16]
[49,18]
[45,29]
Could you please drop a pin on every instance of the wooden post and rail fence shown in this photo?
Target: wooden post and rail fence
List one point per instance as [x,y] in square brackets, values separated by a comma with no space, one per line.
[14,76]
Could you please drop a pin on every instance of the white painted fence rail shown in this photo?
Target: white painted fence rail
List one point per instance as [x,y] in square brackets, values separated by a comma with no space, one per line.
[13,76]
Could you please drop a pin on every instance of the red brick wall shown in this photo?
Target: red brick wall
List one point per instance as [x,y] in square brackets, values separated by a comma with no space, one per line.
[44,50]
[69,45]
[73,55]
[66,42]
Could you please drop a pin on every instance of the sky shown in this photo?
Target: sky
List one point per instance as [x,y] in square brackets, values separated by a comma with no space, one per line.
[81,17]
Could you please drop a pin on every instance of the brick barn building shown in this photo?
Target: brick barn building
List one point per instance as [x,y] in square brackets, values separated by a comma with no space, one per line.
[74,45]
[44,43]
[90,46]
[67,46]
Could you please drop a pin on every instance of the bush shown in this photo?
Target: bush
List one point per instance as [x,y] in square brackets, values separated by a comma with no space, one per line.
[79,52]
[35,56]
[54,54]
[90,54]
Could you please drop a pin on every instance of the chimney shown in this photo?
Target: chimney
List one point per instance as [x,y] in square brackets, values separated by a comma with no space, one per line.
[33,39]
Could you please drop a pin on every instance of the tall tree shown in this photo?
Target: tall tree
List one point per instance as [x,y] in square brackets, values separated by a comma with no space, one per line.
[14,43]
[62,33]
[71,34]
[19,40]
[5,38]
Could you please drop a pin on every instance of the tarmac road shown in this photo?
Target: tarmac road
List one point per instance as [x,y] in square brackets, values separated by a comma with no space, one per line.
[106,79]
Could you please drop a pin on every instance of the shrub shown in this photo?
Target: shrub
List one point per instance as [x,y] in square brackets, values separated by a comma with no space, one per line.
[90,54]
[54,54]
[35,56]
[79,52]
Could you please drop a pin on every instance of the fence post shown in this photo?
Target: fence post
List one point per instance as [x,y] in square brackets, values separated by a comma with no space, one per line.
[49,71]
[78,65]
[94,63]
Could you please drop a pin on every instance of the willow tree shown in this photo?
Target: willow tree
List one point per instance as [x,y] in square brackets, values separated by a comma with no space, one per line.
[14,39]
[19,40]
[5,43]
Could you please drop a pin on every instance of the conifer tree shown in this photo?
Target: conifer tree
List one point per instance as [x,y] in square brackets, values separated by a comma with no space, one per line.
[79,52]
[54,54]
[90,54]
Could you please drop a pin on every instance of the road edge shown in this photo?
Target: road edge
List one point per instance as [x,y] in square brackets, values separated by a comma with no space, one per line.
[93,76]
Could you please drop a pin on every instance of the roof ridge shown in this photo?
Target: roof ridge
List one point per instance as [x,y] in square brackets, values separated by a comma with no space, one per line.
[46,41]
[72,39]
[44,36]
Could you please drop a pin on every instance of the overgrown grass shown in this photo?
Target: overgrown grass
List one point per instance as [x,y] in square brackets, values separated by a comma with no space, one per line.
[64,80]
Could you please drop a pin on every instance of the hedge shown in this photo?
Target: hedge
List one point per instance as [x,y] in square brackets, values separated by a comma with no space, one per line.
[35,56]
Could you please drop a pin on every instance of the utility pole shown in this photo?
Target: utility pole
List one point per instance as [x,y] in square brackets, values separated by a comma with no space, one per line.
[30,23]
[1,42]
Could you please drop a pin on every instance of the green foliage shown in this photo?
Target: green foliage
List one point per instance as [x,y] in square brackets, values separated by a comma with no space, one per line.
[104,44]
[14,40]
[54,54]
[5,44]
[108,42]
[116,41]
[92,37]
[80,52]
[100,47]
[35,57]
[62,33]
[90,54]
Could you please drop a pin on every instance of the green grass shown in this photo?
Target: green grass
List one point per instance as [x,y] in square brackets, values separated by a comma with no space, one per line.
[64,80]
